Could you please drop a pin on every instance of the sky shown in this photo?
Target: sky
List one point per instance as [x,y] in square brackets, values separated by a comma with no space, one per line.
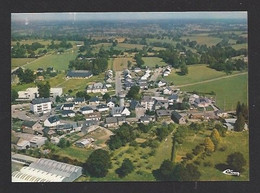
[127,15]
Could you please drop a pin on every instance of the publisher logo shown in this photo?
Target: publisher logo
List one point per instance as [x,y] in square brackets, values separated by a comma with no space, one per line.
[231,172]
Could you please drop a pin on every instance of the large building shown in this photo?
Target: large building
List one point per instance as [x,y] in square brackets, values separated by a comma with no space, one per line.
[46,170]
[79,74]
[31,93]
[40,105]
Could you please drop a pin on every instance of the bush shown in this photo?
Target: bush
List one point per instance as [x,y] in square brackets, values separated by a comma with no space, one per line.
[223,148]
[197,162]
[189,156]
[208,164]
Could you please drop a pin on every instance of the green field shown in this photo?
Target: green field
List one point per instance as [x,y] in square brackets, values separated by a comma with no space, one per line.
[228,90]
[240,46]
[110,64]
[152,61]
[144,163]
[17,62]
[57,61]
[234,141]
[43,42]
[203,39]
[197,73]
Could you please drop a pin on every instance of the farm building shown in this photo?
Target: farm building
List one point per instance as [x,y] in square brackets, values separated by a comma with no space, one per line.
[84,142]
[79,74]
[46,170]
[32,127]
[177,118]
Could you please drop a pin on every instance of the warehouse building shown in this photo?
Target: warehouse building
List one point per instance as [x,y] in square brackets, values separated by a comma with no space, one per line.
[46,170]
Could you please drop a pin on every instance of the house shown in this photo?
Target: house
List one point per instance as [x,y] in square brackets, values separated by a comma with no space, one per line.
[136,70]
[54,92]
[109,80]
[48,131]
[221,113]
[22,144]
[94,101]
[102,108]
[86,110]
[68,106]
[177,118]
[161,83]
[142,84]
[139,111]
[119,111]
[128,85]
[174,98]
[108,85]
[39,78]
[202,102]
[126,71]
[79,74]
[84,142]
[147,102]
[96,88]
[163,113]
[114,121]
[146,119]
[69,98]
[192,98]
[40,105]
[229,124]
[37,141]
[159,104]
[79,100]
[166,73]
[55,140]
[89,126]
[93,116]
[32,127]
[111,104]
[167,91]
[68,127]
[68,113]
[133,104]
[52,121]
[128,76]
[40,70]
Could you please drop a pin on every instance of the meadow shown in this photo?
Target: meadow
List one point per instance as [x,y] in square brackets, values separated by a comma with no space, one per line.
[57,61]
[203,39]
[152,61]
[228,90]
[240,46]
[196,73]
[120,64]
[17,62]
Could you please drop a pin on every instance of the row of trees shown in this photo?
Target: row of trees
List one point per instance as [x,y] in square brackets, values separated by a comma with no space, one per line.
[26,50]
[25,76]
[242,117]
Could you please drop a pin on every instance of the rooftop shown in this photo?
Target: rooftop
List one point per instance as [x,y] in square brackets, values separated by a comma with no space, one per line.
[40,101]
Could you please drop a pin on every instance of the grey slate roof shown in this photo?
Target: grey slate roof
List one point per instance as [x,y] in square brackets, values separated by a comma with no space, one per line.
[111,120]
[79,100]
[94,99]
[173,97]
[79,73]
[68,105]
[176,115]
[66,112]
[163,113]
[40,101]
[53,119]
[28,123]
[101,106]
[86,108]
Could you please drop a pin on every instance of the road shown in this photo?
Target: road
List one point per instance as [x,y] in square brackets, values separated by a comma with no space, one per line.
[118,82]
[156,73]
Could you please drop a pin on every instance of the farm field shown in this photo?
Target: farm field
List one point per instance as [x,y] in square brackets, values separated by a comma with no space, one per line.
[203,39]
[152,61]
[228,90]
[240,46]
[30,41]
[57,61]
[120,64]
[197,73]
[110,64]
[17,62]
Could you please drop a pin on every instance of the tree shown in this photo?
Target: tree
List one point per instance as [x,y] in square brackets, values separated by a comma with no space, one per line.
[238,108]
[126,168]
[236,161]
[189,173]
[129,63]
[240,123]
[184,69]
[44,90]
[98,163]
[209,145]
[139,60]
[106,97]
[215,137]
[133,93]
[14,95]
[57,99]
[62,143]
[166,170]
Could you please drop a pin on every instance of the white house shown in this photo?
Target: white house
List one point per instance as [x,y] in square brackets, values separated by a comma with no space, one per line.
[147,102]
[110,104]
[68,113]
[37,141]
[86,110]
[52,121]
[120,111]
[192,98]
[137,70]
[161,83]
[97,87]
[40,105]
[202,102]
[102,108]
[69,106]
[167,91]
[22,144]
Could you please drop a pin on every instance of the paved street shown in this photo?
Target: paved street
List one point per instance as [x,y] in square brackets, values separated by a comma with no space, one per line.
[118,82]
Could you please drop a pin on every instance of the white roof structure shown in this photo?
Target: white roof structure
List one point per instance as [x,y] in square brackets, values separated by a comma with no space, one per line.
[46,170]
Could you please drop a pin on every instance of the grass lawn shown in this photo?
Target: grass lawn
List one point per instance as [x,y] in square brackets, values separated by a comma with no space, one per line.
[235,142]
[240,46]
[228,91]
[129,46]
[152,61]
[58,61]
[17,62]
[110,64]
[197,73]
[120,64]
[21,87]
[74,152]
[203,39]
